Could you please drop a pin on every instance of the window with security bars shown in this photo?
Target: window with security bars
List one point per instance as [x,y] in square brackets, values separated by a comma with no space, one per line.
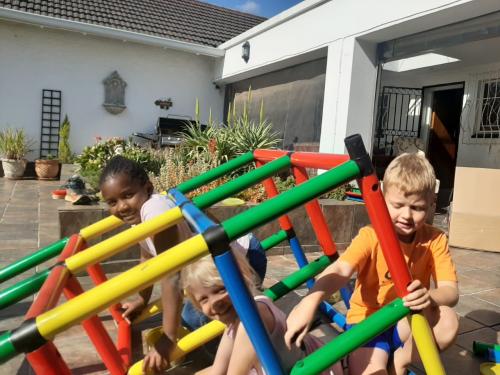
[488,111]
[398,117]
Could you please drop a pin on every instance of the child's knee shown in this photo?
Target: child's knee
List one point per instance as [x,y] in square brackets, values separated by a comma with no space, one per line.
[368,361]
[446,328]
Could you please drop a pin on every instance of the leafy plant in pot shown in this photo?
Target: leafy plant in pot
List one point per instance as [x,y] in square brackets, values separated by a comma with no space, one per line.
[48,168]
[14,145]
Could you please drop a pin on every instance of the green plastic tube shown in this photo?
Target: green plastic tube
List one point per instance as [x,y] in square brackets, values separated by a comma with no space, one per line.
[32,260]
[273,240]
[481,348]
[22,289]
[7,350]
[215,173]
[297,278]
[241,183]
[273,208]
[348,341]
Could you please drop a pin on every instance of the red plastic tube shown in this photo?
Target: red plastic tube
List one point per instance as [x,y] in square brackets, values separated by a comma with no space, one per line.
[98,334]
[51,290]
[317,160]
[381,222]
[46,360]
[316,216]
[124,342]
[268,155]
[271,192]
[49,293]
[98,276]
[303,159]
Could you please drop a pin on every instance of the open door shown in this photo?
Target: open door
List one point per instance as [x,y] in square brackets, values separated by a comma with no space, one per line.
[443,139]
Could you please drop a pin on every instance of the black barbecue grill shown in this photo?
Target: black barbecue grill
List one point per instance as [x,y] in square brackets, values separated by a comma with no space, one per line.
[168,131]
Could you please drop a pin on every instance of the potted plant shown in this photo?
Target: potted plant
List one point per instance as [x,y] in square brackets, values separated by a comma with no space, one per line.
[47,168]
[14,145]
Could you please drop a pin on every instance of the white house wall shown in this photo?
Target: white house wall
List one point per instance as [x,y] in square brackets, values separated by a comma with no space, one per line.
[34,58]
[336,24]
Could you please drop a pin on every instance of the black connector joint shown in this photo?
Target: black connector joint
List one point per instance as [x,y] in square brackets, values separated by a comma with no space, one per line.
[217,240]
[290,233]
[357,152]
[26,338]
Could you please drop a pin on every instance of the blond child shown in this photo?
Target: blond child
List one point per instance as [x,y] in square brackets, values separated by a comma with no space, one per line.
[236,355]
[409,184]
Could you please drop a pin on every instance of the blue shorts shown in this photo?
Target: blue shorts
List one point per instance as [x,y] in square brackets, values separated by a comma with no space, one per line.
[257,257]
[388,341]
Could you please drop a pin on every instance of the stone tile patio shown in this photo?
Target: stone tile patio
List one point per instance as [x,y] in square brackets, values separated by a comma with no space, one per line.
[28,221]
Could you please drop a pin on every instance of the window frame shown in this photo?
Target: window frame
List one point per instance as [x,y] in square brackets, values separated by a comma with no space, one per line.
[479,131]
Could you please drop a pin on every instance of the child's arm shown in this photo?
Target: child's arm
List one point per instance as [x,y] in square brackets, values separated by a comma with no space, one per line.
[329,281]
[445,294]
[222,358]
[444,276]
[171,298]
[134,307]
[243,356]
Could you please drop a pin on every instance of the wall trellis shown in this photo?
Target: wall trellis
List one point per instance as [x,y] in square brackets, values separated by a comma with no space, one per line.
[51,121]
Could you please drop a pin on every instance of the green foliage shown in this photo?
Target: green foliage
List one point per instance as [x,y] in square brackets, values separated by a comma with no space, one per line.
[283,185]
[93,158]
[221,142]
[14,144]
[338,193]
[65,154]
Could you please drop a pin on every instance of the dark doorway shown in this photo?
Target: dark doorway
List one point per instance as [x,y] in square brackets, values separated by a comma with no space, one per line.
[443,139]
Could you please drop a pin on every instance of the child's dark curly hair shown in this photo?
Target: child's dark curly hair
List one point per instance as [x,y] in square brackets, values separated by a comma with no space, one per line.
[120,165]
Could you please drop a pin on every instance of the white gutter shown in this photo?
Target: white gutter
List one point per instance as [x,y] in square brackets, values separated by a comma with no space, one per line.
[109,32]
[282,17]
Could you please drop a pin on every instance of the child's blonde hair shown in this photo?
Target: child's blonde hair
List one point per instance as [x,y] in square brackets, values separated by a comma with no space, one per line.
[204,272]
[411,173]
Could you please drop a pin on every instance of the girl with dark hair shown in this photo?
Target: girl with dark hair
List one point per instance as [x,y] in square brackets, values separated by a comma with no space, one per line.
[126,188]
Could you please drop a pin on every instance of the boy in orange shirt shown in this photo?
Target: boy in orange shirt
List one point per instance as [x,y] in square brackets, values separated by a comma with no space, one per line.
[409,184]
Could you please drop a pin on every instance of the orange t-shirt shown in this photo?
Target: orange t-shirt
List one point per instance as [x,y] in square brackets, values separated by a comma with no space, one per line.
[426,256]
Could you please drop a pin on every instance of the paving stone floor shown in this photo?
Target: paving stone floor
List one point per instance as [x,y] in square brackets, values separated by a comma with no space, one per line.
[28,221]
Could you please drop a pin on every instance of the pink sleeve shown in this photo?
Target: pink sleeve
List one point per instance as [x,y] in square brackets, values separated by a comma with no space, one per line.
[155,206]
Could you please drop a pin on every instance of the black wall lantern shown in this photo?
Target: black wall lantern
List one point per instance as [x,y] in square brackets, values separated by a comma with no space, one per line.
[245,51]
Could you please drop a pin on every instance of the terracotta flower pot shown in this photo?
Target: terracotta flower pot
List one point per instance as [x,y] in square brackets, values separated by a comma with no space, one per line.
[46,169]
[13,168]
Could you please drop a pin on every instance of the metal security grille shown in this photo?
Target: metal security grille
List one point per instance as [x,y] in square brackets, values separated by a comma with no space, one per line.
[398,116]
[51,120]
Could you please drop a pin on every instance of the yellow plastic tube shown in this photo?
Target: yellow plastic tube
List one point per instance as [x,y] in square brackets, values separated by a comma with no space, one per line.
[489,368]
[151,309]
[426,346]
[102,226]
[198,338]
[121,241]
[114,290]
[188,343]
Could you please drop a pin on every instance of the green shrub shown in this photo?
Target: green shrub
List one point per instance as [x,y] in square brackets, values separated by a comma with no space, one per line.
[65,154]
[93,158]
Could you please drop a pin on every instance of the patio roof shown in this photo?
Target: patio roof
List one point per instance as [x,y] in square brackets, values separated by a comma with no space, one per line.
[188,21]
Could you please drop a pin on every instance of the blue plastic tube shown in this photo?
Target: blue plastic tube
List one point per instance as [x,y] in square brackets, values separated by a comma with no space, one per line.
[246,309]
